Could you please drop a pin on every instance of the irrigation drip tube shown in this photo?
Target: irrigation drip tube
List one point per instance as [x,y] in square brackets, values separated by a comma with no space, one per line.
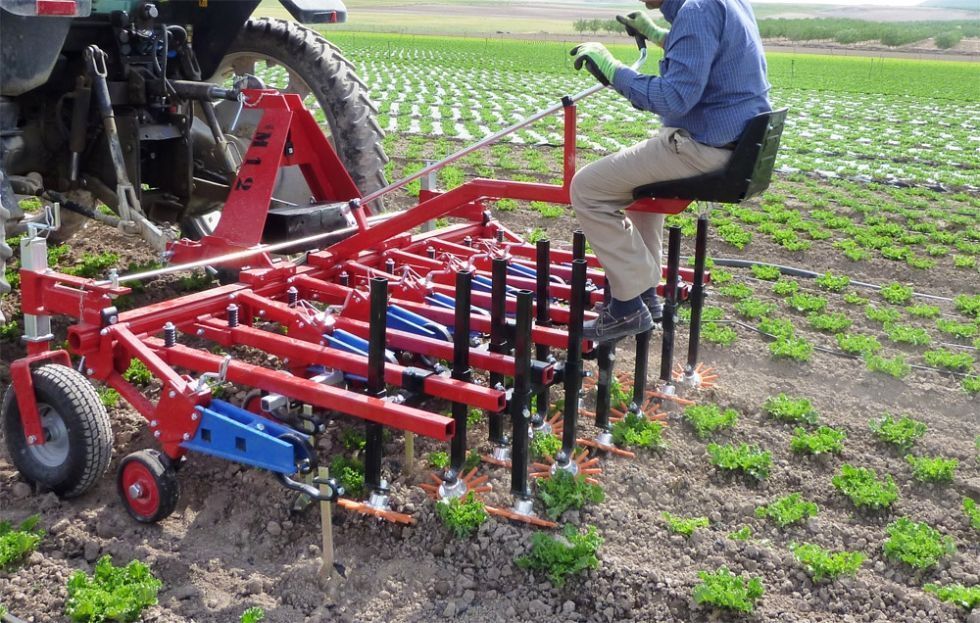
[793,271]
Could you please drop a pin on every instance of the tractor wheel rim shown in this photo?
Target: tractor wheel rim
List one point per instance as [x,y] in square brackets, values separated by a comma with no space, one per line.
[139,487]
[54,451]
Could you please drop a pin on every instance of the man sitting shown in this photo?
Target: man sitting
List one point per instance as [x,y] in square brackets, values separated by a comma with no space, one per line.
[712,82]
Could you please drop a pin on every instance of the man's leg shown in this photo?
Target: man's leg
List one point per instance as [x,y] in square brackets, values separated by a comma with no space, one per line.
[630,251]
[650,226]
[691,158]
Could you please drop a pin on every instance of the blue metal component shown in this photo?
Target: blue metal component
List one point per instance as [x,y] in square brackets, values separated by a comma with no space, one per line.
[479,283]
[342,340]
[441,300]
[410,322]
[235,434]
[522,271]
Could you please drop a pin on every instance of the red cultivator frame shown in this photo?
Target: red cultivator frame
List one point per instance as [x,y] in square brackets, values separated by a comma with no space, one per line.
[362,327]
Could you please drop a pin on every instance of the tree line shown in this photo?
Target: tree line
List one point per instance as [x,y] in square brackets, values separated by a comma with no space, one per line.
[945,33]
[595,26]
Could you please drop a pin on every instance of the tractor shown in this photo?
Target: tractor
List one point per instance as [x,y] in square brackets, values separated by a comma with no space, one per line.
[137,105]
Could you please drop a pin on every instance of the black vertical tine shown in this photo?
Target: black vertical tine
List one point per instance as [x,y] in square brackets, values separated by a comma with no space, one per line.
[461,365]
[605,358]
[670,302]
[498,340]
[375,379]
[543,318]
[640,368]
[573,360]
[578,245]
[697,291]
[519,414]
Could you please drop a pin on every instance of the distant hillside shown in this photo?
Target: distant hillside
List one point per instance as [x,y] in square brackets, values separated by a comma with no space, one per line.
[962,5]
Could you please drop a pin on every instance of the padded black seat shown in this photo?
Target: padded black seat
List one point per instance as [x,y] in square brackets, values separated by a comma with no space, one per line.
[747,174]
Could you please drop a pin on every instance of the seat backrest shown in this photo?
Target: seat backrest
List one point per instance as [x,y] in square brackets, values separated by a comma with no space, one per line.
[754,157]
[746,175]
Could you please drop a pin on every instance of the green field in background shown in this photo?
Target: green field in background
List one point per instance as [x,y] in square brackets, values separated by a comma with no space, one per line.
[853,74]
[409,17]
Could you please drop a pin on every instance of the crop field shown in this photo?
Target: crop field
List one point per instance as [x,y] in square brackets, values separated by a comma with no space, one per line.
[831,475]
[857,118]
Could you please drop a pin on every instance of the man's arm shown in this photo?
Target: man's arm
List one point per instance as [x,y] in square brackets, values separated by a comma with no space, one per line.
[691,49]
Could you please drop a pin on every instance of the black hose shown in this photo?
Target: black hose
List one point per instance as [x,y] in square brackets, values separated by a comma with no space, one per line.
[792,271]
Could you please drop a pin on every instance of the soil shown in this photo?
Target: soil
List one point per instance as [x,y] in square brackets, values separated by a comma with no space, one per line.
[234,541]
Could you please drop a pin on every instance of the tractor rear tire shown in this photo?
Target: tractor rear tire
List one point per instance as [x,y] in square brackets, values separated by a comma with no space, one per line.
[343,97]
[77,429]
[5,250]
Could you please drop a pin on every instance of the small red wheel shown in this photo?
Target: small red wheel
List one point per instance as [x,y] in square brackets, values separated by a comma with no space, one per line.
[147,484]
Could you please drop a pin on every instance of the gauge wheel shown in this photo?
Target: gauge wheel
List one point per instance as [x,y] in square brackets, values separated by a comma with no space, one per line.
[78,436]
[147,483]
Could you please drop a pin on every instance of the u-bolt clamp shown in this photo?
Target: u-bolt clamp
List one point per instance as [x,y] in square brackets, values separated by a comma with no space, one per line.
[334,489]
[221,375]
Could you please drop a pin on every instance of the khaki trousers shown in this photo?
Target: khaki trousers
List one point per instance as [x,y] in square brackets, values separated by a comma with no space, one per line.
[630,248]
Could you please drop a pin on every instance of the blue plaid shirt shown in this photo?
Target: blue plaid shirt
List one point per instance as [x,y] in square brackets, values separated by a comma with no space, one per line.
[713,75]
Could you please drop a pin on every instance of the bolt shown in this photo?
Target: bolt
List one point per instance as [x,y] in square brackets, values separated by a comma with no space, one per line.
[285,361]
[172,394]
[135,491]
[194,416]
[200,332]
[89,371]
[32,439]
[300,325]
[153,423]
[260,426]
[104,332]
[156,434]
[261,313]
[186,436]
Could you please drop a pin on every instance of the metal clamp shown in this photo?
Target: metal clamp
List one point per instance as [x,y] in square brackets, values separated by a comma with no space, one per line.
[335,490]
[221,375]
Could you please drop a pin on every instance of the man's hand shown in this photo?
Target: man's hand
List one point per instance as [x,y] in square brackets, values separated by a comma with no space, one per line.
[639,23]
[597,60]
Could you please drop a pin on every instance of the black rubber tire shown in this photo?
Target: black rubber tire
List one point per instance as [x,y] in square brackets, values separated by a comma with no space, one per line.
[89,432]
[343,97]
[164,479]
[5,250]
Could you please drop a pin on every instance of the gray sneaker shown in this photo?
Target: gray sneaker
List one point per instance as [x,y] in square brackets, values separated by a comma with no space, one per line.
[655,304]
[609,328]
